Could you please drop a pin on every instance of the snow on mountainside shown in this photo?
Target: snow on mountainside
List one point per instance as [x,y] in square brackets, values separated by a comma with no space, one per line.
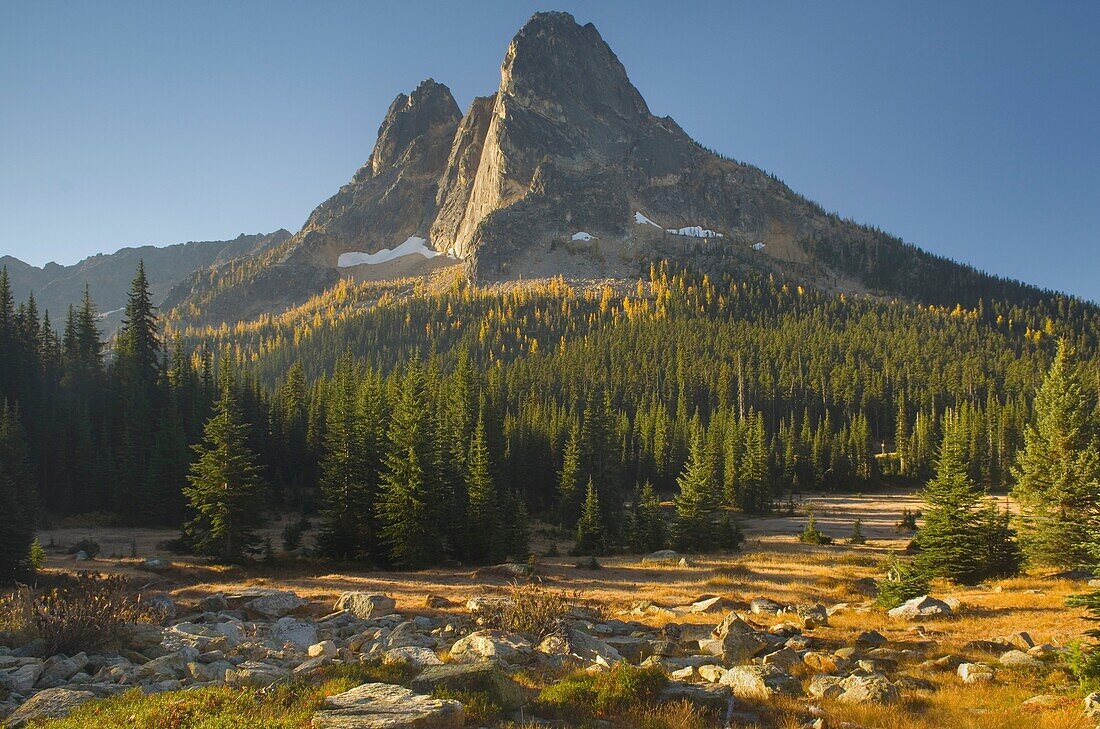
[412,246]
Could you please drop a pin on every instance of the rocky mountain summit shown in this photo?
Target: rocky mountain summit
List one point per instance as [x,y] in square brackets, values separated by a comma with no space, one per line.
[564,170]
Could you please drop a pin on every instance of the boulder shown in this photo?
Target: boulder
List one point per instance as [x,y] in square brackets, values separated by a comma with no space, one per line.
[662,556]
[299,633]
[710,696]
[366,605]
[269,604]
[324,649]
[495,645]
[382,706]
[413,655]
[59,668]
[760,682]
[23,679]
[785,658]
[764,606]
[1019,659]
[825,687]
[581,645]
[140,636]
[709,605]
[409,634]
[921,607]
[483,676]
[975,672]
[631,648]
[871,689]
[54,703]
[871,639]
[215,603]
[711,672]
[255,673]
[1092,705]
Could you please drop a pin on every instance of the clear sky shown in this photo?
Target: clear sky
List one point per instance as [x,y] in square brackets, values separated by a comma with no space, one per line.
[970,129]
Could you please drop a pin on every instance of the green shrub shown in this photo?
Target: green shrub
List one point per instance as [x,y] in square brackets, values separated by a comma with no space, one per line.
[902,582]
[37,556]
[1084,663]
[293,532]
[582,695]
[811,534]
[857,533]
[908,521]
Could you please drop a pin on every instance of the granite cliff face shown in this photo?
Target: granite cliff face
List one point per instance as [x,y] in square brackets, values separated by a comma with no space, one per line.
[564,170]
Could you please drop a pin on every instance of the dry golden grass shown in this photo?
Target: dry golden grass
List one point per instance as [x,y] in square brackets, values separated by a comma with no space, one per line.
[772,564]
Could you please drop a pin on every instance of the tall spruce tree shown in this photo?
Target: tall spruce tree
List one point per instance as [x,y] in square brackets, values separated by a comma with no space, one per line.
[348,483]
[227,490]
[569,478]
[1058,470]
[650,533]
[591,533]
[17,498]
[483,516]
[408,504]
[692,529]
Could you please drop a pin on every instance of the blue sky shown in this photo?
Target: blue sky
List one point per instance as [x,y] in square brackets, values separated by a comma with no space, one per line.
[969,129]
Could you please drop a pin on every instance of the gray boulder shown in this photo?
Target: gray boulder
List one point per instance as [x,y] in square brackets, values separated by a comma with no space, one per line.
[382,706]
[497,645]
[760,682]
[268,603]
[54,703]
[921,607]
[870,689]
[299,633]
[483,676]
[366,605]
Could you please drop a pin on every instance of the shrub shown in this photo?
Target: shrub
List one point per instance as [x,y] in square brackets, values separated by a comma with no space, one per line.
[903,581]
[89,547]
[729,534]
[480,708]
[908,521]
[531,608]
[584,695]
[293,532]
[85,612]
[857,533]
[811,534]
[1084,664]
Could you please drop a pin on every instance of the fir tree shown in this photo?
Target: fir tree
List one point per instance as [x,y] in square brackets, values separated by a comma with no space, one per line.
[1058,470]
[695,504]
[226,490]
[484,517]
[649,532]
[591,536]
[347,482]
[408,504]
[17,510]
[569,479]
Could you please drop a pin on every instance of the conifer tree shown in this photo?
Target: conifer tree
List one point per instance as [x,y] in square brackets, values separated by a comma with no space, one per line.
[591,535]
[408,504]
[649,533]
[166,479]
[1058,470]
[695,504]
[569,479]
[347,481]
[17,502]
[484,518]
[754,495]
[949,539]
[226,490]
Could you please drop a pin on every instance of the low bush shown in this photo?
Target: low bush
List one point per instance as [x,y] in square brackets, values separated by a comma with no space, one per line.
[84,613]
[902,582]
[530,608]
[292,533]
[811,534]
[1084,663]
[582,695]
[89,547]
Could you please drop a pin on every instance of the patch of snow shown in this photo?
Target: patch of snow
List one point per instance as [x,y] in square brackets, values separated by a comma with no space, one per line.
[106,314]
[640,219]
[583,236]
[412,245]
[758,246]
[694,231]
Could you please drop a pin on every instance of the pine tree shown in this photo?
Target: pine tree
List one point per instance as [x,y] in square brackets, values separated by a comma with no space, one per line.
[755,495]
[1058,470]
[17,503]
[591,535]
[347,481]
[484,517]
[949,539]
[167,475]
[695,504]
[226,490]
[569,479]
[408,504]
[649,532]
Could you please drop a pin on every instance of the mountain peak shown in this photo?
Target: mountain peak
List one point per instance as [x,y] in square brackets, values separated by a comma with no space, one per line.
[412,121]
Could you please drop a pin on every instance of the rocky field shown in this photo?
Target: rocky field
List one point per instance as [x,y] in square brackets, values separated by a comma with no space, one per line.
[781,634]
